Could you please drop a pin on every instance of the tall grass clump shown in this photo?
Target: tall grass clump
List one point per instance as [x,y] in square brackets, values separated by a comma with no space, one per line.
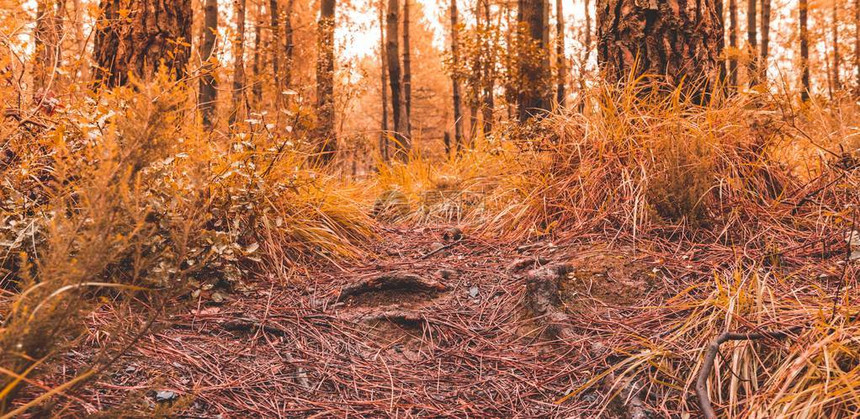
[126,203]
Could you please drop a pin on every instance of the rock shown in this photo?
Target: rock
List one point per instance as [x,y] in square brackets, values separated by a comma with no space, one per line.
[162,396]
[452,234]
[473,291]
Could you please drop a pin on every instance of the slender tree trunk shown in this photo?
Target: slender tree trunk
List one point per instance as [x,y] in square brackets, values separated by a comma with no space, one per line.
[765,40]
[407,70]
[510,89]
[288,41]
[156,32]
[325,83]
[752,41]
[656,39]
[257,88]
[857,45]
[238,60]
[475,79]
[488,79]
[47,45]
[586,55]
[804,49]
[402,144]
[275,15]
[561,57]
[534,92]
[208,84]
[455,79]
[383,135]
[733,43]
[837,59]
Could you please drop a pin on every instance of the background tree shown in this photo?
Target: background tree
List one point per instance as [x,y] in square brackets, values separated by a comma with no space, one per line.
[134,36]
[534,61]
[834,32]
[208,84]
[327,139]
[803,14]
[238,60]
[275,17]
[455,79]
[765,39]
[752,41]
[560,54]
[407,70]
[383,88]
[402,144]
[733,43]
[673,45]
[48,33]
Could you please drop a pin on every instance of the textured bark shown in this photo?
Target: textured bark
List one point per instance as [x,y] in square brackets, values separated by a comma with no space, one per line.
[561,58]
[257,87]
[857,46]
[733,43]
[488,76]
[752,41]
[155,31]
[275,17]
[803,14]
[383,135]
[455,80]
[671,42]
[534,93]
[407,70]
[49,28]
[238,60]
[765,40]
[208,85]
[289,45]
[402,144]
[326,137]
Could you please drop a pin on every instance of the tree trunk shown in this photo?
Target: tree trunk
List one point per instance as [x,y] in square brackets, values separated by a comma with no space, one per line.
[857,45]
[325,83]
[475,78]
[804,49]
[765,40]
[155,32]
[49,28]
[837,59]
[561,58]
[488,105]
[401,144]
[407,70]
[383,135]
[752,42]
[668,44]
[238,60]
[288,41]
[257,88]
[534,92]
[274,14]
[208,84]
[733,43]
[455,79]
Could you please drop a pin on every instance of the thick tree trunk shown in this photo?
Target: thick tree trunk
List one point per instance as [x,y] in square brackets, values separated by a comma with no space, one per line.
[238,60]
[765,40]
[455,80]
[669,44]
[752,41]
[534,93]
[327,140]
[155,32]
[208,84]
[733,43]
[407,70]
[561,57]
[383,135]
[401,144]
[837,59]
[803,13]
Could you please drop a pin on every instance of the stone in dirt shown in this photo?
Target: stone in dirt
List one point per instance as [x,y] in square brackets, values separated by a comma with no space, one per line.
[543,299]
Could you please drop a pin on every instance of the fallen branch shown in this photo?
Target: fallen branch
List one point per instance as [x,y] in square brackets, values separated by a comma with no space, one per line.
[711,354]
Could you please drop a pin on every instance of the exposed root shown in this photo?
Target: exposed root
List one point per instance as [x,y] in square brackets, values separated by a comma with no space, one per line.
[543,301]
[396,281]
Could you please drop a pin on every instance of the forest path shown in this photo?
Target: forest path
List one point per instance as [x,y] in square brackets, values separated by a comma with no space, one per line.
[424,334]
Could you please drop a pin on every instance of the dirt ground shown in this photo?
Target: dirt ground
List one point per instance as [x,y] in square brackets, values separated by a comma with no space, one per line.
[445,334]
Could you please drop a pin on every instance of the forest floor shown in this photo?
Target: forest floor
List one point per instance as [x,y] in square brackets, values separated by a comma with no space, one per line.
[470,330]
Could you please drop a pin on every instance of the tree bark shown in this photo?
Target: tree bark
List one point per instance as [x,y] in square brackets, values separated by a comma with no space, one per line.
[488,77]
[257,87]
[803,13]
[752,42]
[49,28]
[668,43]
[327,139]
[401,143]
[561,58]
[155,32]
[208,84]
[733,43]
[837,59]
[383,135]
[407,70]
[857,45]
[455,79]
[274,14]
[534,92]
[289,45]
[238,60]
[765,40]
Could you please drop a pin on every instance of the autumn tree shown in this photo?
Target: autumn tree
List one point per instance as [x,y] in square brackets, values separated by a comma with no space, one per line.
[765,40]
[733,43]
[752,41]
[383,88]
[455,79]
[533,95]
[671,45]
[208,84]
[803,14]
[238,60]
[407,70]
[561,57]
[49,28]
[327,139]
[402,143]
[136,36]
